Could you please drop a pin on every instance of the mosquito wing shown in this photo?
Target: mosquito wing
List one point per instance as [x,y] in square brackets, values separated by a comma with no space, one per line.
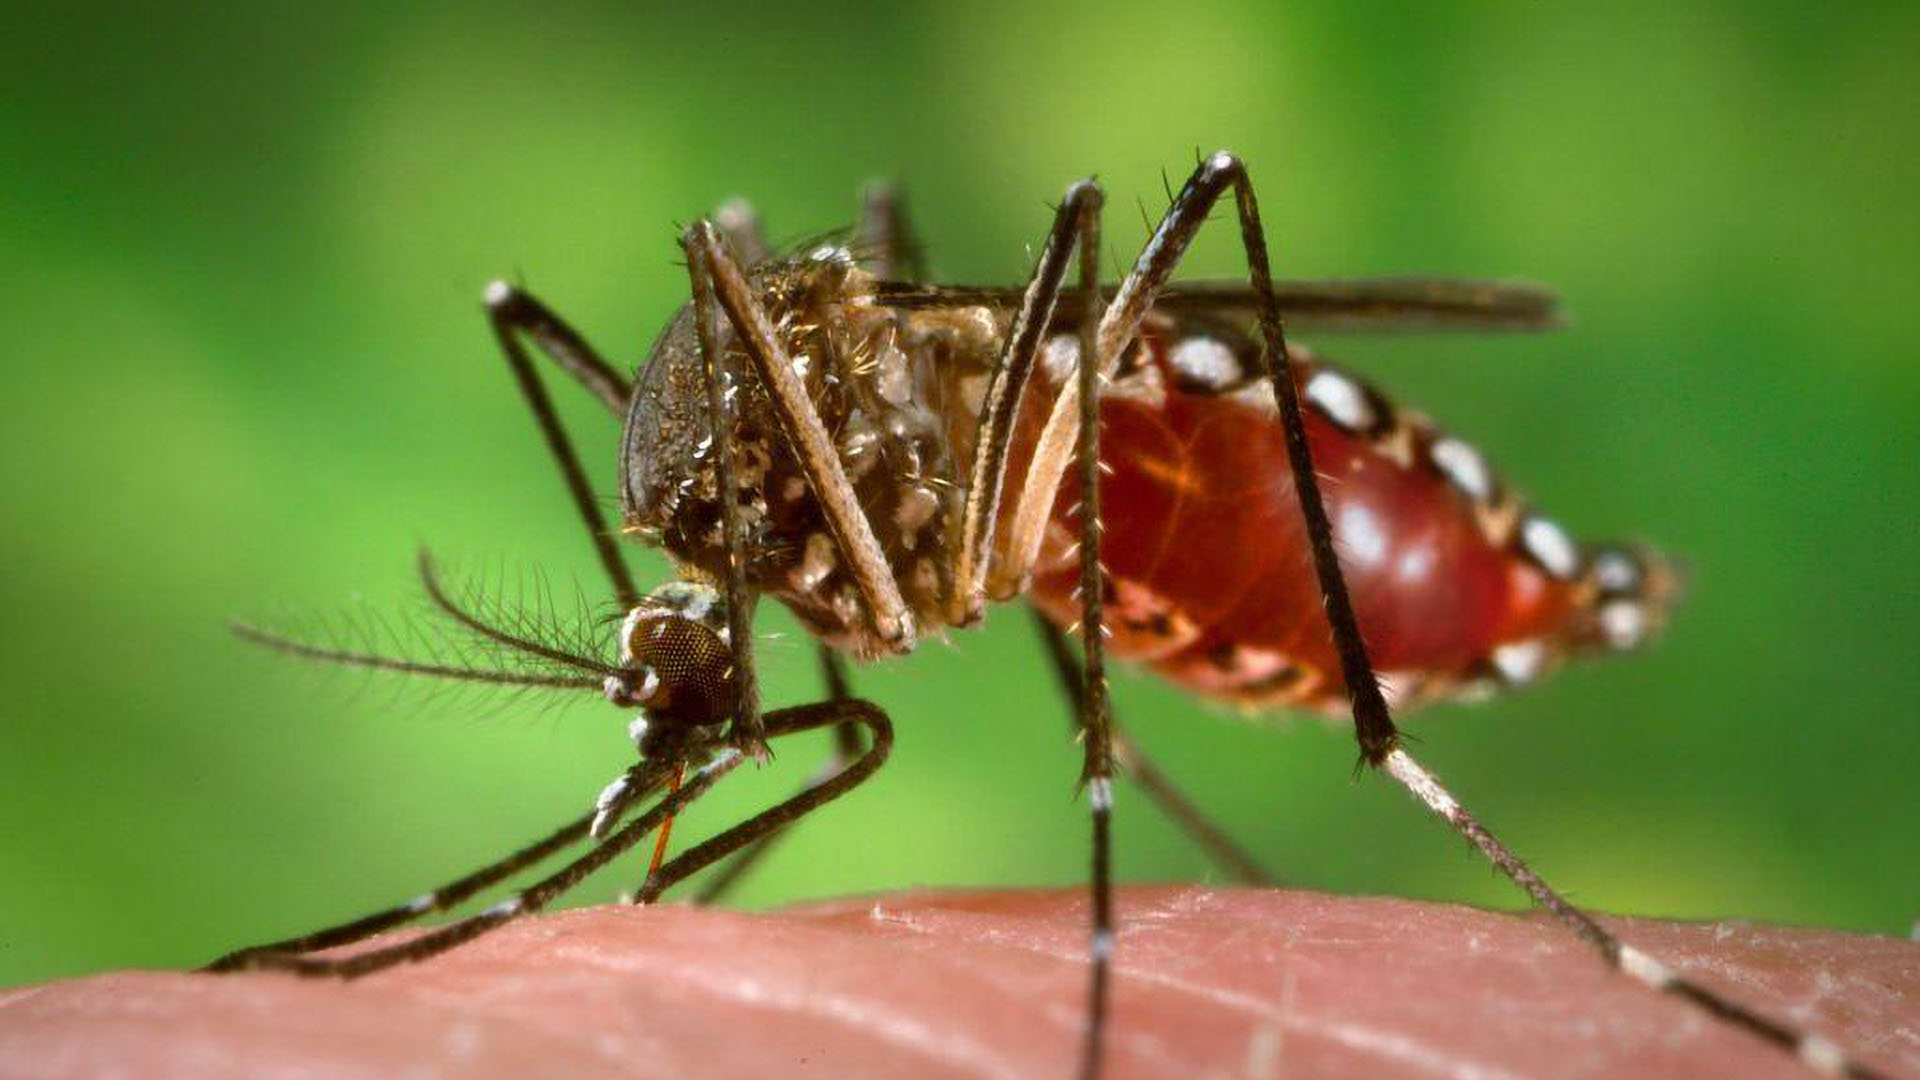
[1358,304]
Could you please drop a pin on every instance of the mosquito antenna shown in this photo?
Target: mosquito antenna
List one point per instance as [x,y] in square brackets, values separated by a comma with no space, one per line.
[430,579]
[457,673]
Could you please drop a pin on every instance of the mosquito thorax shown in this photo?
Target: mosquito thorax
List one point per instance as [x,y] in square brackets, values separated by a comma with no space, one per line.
[897,389]
[675,664]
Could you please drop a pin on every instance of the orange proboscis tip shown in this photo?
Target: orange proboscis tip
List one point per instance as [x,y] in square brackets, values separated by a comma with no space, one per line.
[666,827]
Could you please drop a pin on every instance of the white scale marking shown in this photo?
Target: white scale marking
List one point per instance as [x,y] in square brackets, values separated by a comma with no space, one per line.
[1251,664]
[627,628]
[1645,968]
[1100,794]
[421,904]
[510,906]
[1463,467]
[1423,784]
[1061,357]
[1341,400]
[1624,623]
[700,600]
[1551,547]
[1616,572]
[609,795]
[1361,535]
[1823,1054]
[614,789]
[1520,662]
[1206,362]
[498,293]
[1397,686]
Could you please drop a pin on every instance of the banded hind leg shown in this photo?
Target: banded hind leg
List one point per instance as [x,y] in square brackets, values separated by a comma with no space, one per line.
[1378,738]
[1379,741]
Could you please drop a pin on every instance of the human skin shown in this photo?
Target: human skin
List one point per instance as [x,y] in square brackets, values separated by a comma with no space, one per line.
[1210,982]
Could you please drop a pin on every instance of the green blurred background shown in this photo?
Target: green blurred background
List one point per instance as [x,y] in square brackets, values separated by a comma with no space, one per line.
[246,367]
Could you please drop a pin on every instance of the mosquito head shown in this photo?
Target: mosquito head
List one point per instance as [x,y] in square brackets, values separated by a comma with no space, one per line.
[675,663]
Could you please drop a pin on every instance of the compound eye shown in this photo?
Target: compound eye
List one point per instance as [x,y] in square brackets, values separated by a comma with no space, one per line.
[689,664]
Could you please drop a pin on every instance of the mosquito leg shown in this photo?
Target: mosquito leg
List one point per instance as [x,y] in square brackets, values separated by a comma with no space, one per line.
[1134,763]
[1818,1052]
[747,727]
[439,899]
[770,822]
[523,903]
[1075,236]
[641,780]
[1095,710]
[520,311]
[717,280]
[512,313]
[846,747]
[885,242]
[833,672]
[1379,740]
[1000,406]
[543,892]
[638,782]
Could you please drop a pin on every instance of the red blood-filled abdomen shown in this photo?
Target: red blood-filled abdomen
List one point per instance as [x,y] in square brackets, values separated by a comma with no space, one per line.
[1210,580]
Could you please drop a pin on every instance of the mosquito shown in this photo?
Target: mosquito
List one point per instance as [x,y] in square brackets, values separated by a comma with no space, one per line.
[885,456]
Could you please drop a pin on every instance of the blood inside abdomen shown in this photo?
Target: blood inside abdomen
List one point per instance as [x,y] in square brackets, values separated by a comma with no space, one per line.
[1210,580]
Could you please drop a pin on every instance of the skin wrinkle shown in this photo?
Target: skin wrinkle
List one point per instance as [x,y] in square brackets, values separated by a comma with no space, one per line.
[912,1037]
[1684,1025]
[856,1014]
[841,1008]
[507,1005]
[1393,1047]
[1825,985]
[1069,1019]
[202,1056]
